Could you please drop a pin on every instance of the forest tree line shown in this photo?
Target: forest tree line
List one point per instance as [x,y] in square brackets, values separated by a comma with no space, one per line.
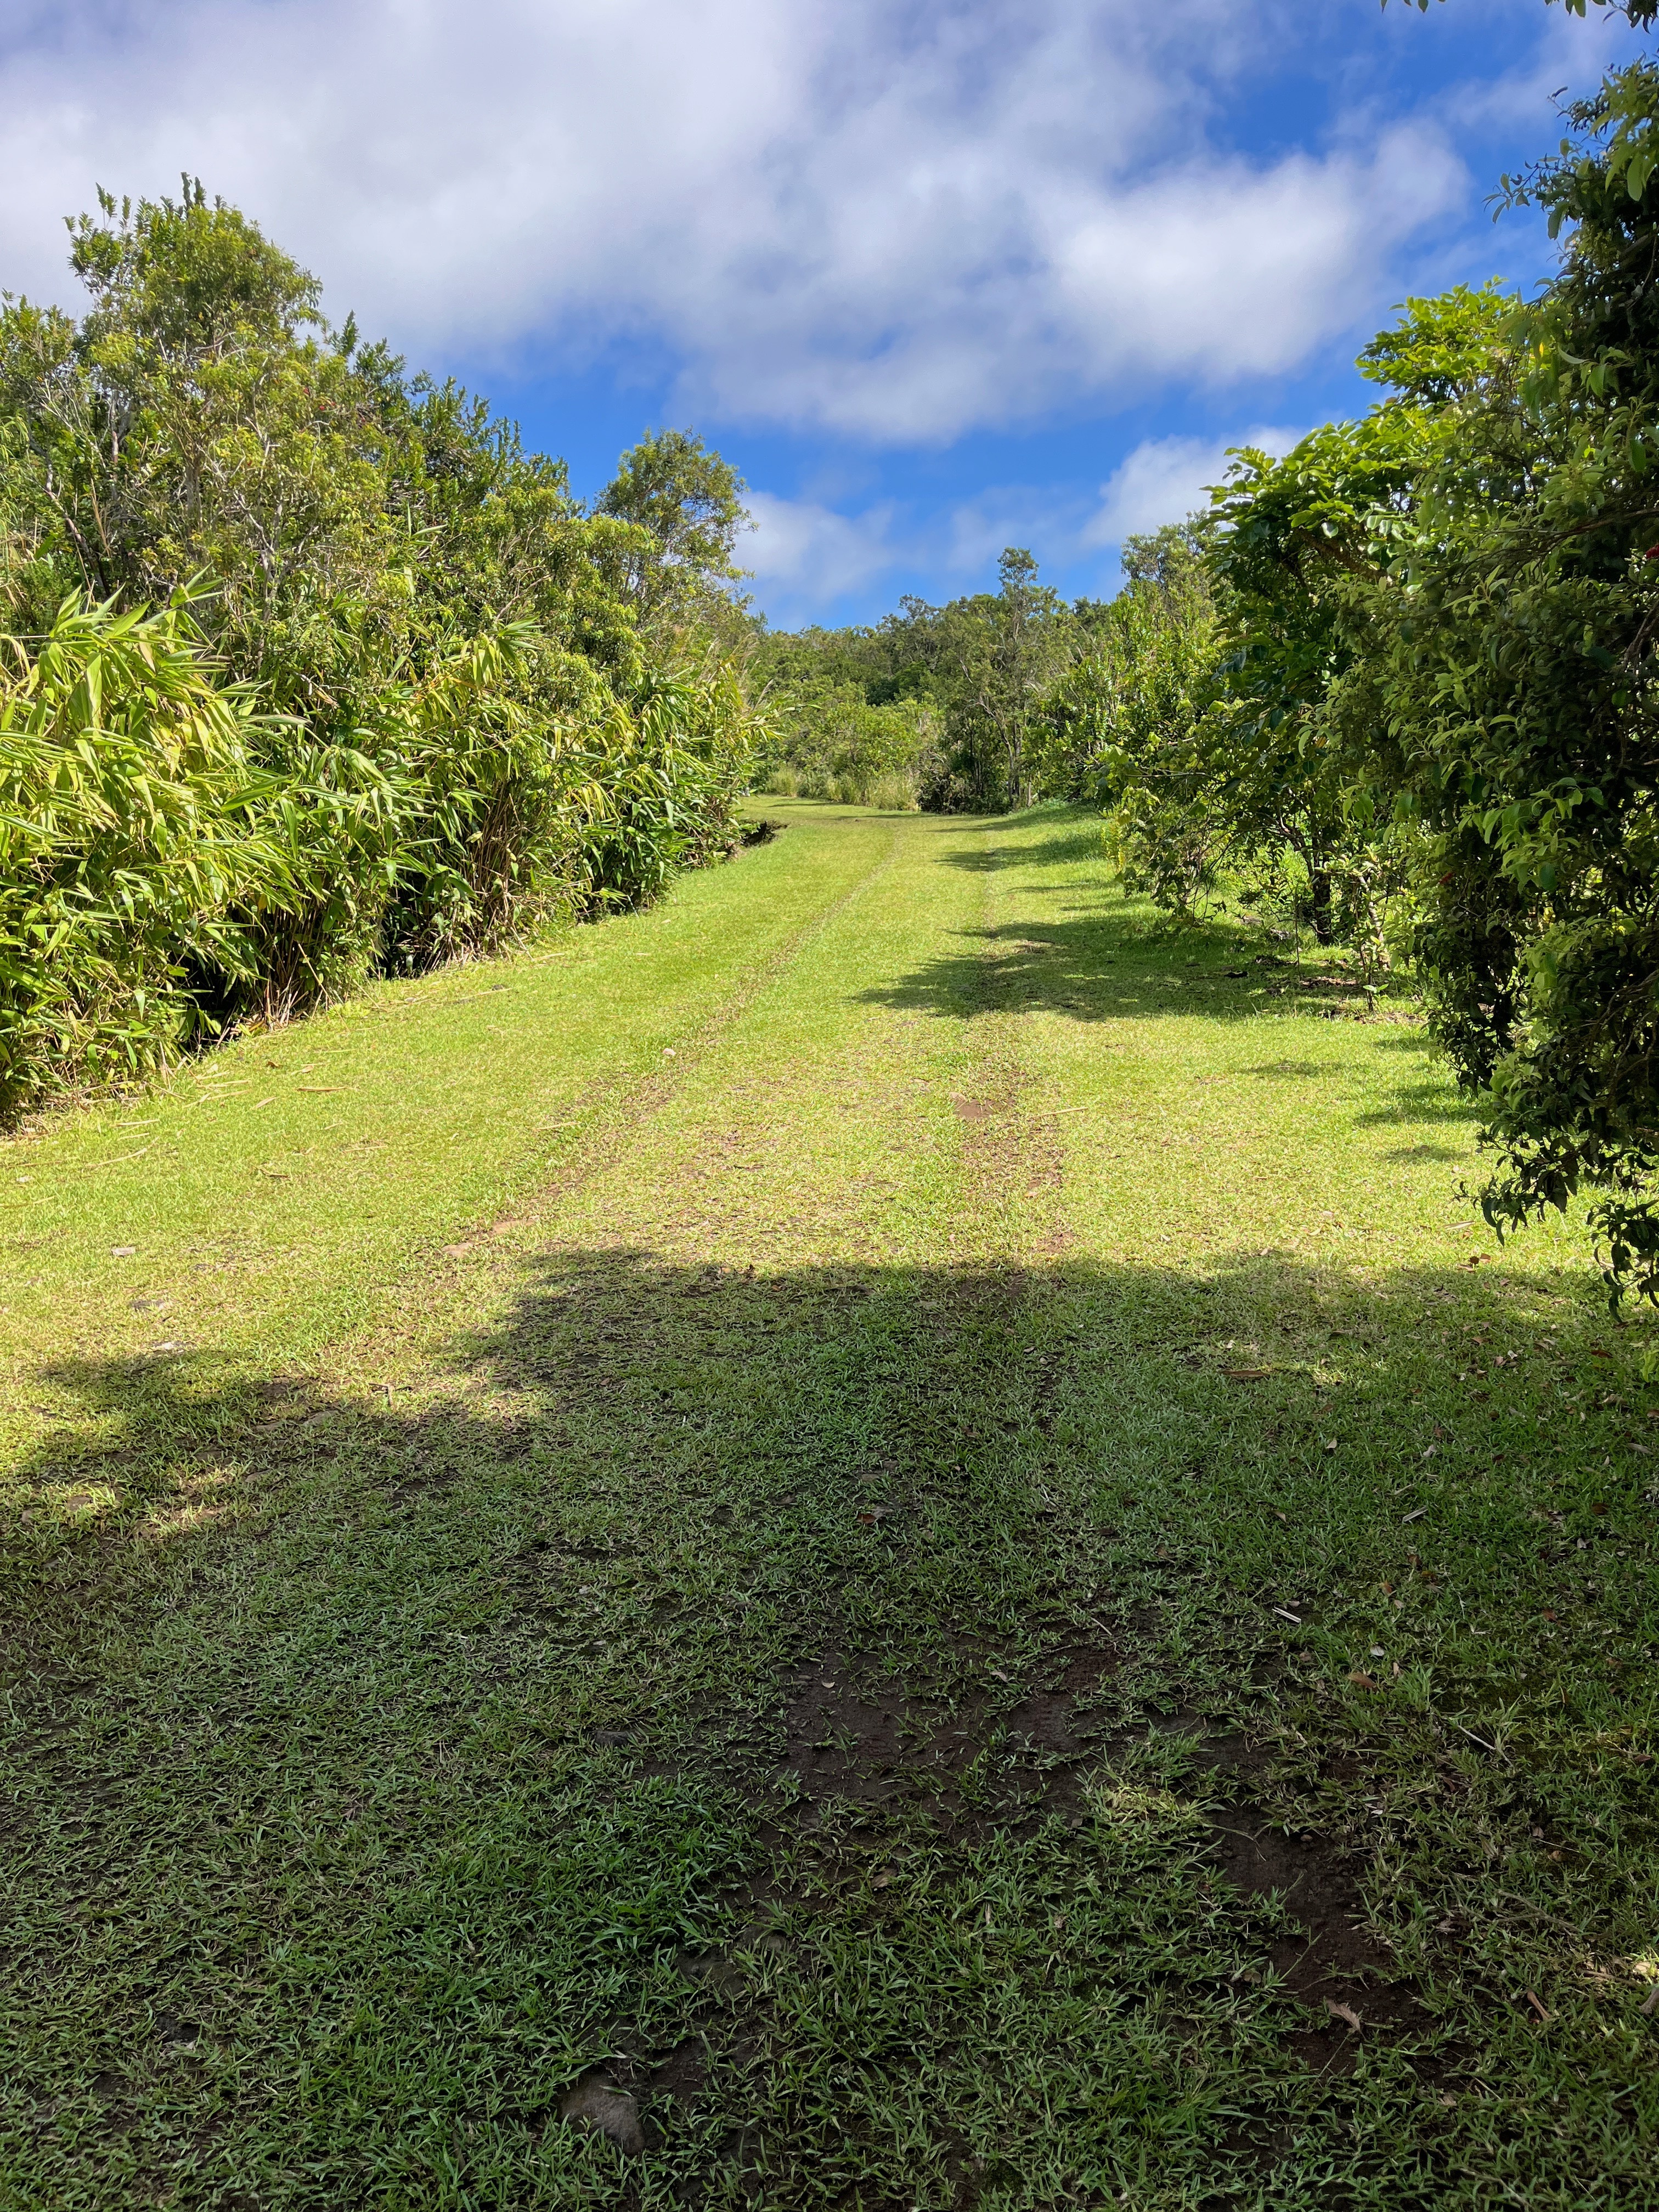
[311,672]
[1400,682]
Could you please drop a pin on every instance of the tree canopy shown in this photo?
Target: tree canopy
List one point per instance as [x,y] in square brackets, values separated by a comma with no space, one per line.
[1398,684]
[313,668]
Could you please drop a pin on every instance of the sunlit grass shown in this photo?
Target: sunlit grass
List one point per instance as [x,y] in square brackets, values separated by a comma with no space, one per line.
[891,1289]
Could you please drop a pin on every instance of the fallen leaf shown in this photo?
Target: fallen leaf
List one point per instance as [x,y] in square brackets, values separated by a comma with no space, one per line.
[1651,2004]
[1361,1679]
[1345,2013]
[1246,1374]
[882,1879]
[1418,1515]
[1538,2005]
[122,1251]
[998,1673]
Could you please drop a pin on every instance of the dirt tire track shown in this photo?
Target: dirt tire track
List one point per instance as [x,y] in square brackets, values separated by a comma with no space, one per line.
[623,1103]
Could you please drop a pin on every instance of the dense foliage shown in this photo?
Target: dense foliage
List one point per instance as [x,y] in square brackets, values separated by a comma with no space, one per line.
[940,706]
[1399,683]
[1432,685]
[312,670]
[1439,622]
[1511,683]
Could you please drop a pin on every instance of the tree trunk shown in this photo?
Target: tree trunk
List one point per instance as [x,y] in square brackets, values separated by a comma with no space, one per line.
[1320,903]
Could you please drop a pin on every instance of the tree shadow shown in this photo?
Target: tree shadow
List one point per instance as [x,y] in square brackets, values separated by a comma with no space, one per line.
[1070,843]
[1420,1101]
[1100,966]
[550,1717]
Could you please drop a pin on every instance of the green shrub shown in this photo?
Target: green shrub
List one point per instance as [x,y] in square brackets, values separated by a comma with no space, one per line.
[404,699]
[140,846]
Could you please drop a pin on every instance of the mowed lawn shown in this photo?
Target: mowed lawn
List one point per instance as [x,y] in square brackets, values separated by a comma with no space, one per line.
[882,1539]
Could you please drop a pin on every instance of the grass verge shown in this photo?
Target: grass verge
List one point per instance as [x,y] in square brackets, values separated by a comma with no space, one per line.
[962,1598]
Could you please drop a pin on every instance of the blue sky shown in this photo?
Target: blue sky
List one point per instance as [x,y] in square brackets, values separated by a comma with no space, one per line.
[938,277]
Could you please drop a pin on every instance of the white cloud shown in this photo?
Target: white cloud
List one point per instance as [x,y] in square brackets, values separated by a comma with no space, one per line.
[896,223]
[1041,517]
[1564,53]
[805,557]
[801,552]
[1164,479]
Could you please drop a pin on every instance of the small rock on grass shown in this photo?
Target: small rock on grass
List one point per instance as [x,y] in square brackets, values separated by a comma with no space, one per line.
[607,2111]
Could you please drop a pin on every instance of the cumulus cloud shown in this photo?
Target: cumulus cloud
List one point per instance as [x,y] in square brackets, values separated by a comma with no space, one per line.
[805,557]
[1164,479]
[893,223]
[802,552]
[1563,53]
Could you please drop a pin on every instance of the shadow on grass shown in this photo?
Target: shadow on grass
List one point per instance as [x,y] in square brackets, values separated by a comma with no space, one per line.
[1420,1101]
[1099,968]
[1069,841]
[772,1691]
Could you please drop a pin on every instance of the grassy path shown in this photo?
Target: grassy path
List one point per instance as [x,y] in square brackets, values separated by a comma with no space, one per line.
[872,1528]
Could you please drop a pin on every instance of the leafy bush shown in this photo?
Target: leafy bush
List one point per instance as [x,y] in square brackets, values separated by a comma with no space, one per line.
[828,741]
[402,700]
[139,845]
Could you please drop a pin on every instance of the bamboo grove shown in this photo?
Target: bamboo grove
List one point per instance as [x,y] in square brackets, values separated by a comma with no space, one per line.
[311,672]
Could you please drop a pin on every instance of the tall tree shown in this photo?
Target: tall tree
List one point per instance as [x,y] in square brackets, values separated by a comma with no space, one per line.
[685,505]
[470,728]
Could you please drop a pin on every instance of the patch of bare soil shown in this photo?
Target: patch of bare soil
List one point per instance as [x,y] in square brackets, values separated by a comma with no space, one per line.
[965,1763]
[858,1740]
[1334,1965]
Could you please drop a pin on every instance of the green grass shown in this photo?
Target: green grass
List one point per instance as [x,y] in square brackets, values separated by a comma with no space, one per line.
[881,1506]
